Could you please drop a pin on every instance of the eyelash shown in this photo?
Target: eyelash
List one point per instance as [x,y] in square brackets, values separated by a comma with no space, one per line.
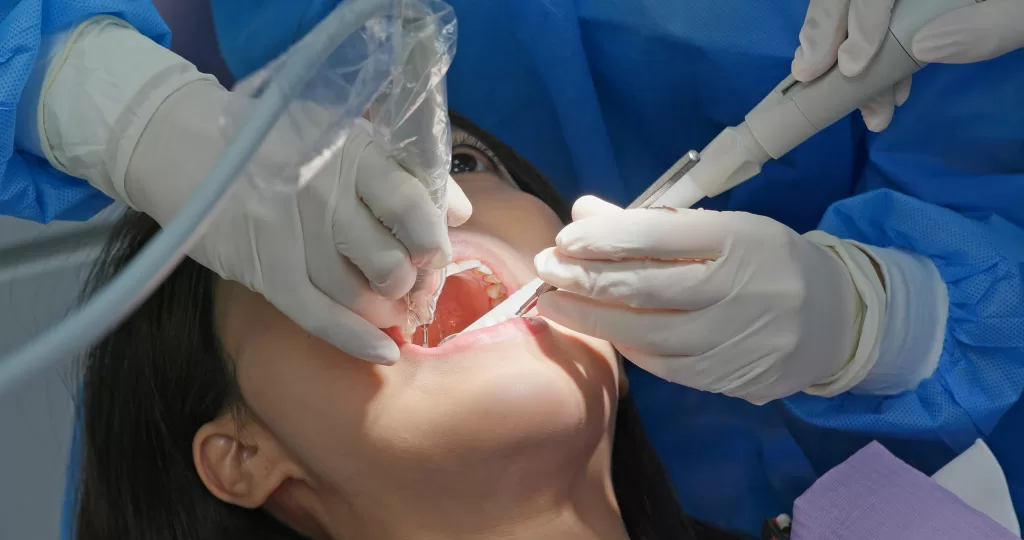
[463,139]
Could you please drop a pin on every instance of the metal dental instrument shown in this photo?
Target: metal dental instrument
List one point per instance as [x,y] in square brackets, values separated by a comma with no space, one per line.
[645,200]
[525,298]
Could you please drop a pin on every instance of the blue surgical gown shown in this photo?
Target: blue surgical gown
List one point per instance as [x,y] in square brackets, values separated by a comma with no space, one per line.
[29,187]
[603,95]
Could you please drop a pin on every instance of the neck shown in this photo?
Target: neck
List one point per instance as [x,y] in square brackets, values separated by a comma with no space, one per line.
[589,512]
[560,502]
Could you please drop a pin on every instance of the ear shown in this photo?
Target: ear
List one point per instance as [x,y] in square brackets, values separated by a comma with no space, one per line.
[240,471]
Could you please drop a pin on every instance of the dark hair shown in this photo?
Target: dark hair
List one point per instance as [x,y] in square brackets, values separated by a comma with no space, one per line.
[161,375]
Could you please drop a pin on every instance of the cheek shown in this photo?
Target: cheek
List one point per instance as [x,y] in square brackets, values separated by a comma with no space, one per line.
[520,220]
[312,397]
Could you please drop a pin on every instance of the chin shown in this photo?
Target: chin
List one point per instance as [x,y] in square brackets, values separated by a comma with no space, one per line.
[550,389]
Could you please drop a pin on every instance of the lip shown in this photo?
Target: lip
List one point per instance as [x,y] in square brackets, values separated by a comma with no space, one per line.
[516,329]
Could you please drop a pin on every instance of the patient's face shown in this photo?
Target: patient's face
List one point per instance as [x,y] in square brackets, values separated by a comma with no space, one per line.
[513,404]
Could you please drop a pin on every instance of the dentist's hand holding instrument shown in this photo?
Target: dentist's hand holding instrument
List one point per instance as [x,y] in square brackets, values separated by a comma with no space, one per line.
[740,304]
[725,302]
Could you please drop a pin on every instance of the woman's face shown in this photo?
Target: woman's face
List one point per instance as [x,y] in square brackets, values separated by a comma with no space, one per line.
[492,419]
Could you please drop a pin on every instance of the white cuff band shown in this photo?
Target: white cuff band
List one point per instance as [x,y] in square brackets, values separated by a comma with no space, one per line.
[872,321]
[26,127]
[917,306]
[99,94]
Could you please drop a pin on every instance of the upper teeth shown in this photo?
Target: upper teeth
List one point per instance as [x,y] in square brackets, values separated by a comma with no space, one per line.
[496,291]
[476,266]
[462,266]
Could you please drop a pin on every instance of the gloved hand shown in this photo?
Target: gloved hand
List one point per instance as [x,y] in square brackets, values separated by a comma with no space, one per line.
[345,248]
[852,31]
[724,302]
[336,257]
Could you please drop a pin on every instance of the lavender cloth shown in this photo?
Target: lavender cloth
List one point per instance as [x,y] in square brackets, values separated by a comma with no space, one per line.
[875,495]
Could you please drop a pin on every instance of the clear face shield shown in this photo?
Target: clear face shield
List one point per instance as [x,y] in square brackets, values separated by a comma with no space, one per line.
[382,60]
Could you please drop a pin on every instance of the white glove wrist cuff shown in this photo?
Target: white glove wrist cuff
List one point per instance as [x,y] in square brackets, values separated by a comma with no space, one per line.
[99,93]
[917,304]
[26,128]
[871,322]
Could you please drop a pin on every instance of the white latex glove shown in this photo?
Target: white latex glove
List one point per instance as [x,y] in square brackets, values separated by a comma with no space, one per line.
[335,257]
[850,32]
[724,302]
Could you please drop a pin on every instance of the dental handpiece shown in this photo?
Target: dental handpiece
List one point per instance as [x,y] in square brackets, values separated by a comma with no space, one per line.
[523,300]
[794,111]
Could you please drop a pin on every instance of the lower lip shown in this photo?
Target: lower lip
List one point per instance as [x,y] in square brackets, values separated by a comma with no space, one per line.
[514,329]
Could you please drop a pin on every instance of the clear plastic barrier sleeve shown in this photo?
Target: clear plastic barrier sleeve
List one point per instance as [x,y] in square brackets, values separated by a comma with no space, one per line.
[391,71]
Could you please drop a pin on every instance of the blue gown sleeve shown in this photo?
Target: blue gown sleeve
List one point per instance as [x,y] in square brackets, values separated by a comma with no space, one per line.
[29,187]
[980,374]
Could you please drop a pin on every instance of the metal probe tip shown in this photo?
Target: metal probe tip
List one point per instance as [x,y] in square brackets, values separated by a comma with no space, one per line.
[532,300]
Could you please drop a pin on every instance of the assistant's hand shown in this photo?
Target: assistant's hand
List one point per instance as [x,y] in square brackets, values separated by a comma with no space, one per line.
[850,32]
[725,302]
[141,124]
[336,257]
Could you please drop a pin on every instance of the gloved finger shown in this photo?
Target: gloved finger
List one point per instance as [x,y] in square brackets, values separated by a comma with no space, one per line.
[344,283]
[638,283]
[824,29]
[332,215]
[371,248]
[868,26]
[329,252]
[878,110]
[404,206]
[902,91]
[459,207]
[658,332]
[333,323]
[656,233]
[284,276]
[972,34]
[589,205]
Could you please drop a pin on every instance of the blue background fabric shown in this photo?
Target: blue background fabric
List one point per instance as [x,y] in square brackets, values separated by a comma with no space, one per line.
[29,187]
[603,95]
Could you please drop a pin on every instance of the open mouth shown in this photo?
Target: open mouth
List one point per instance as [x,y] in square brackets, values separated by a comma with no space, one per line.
[471,289]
